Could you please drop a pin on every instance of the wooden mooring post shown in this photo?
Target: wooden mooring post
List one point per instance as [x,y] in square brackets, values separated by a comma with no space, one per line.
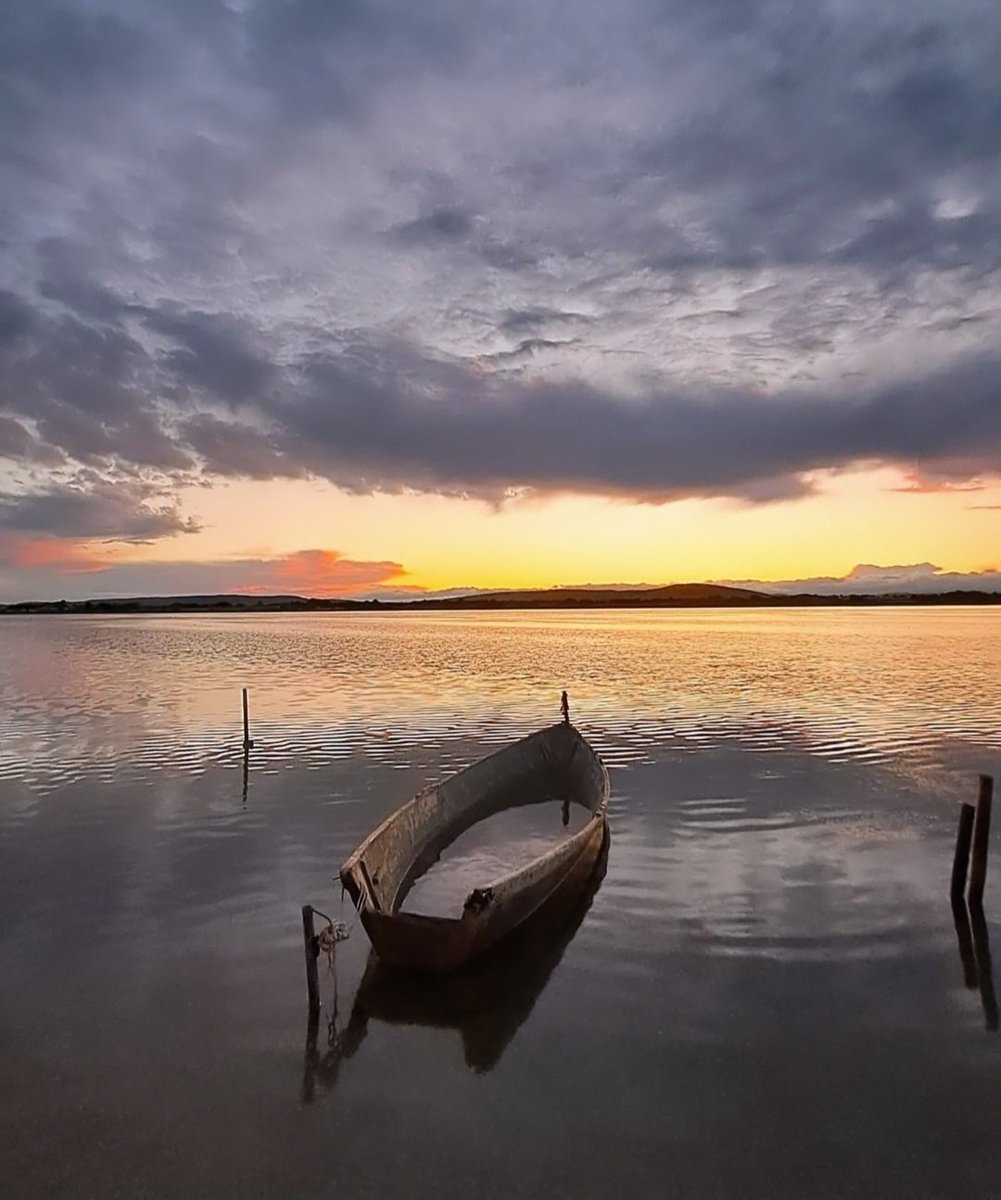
[247,743]
[312,948]
[981,840]
[964,836]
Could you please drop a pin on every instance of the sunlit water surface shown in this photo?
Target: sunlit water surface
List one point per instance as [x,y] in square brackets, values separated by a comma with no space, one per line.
[763,998]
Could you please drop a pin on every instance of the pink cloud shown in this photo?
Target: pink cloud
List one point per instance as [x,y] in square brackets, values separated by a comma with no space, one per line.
[326,573]
[37,568]
[64,555]
[927,485]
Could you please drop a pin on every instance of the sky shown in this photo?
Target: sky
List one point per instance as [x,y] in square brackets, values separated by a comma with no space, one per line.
[338,297]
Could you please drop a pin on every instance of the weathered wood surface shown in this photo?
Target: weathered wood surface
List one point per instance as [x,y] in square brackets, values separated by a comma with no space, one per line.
[981,840]
[311,949]
[961,861]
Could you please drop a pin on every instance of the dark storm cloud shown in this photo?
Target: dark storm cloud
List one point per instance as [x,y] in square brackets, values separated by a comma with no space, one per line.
[52,52]
[318,59]
[796,117]
[292,237]
[452,228]
[213,353]
[384,416]
[388,421]
[821,114]
[15,317]
[19,444]
[524,351]
[232,449]
[66,277]
[528,320]
[441,224]
[93,507]
[89,391]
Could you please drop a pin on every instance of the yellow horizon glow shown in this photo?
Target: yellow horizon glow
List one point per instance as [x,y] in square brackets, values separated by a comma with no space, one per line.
[443,542]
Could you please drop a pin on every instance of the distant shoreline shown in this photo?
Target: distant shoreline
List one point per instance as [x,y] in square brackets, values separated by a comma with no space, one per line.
[674,597]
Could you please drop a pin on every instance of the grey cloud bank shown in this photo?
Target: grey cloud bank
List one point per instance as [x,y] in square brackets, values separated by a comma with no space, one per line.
[650,252]
[869,580]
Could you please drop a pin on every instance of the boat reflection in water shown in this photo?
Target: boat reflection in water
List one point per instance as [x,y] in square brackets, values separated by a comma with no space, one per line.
[486,1001]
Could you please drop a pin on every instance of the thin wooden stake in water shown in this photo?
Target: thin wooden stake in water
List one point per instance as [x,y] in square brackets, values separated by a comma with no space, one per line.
[964,835]
[312,949]
[981,840]
[247,743]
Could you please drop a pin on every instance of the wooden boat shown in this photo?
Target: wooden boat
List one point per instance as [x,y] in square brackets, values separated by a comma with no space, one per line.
[555,762]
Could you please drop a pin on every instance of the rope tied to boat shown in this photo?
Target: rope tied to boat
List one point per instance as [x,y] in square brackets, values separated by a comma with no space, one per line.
[328,937]
[478,899]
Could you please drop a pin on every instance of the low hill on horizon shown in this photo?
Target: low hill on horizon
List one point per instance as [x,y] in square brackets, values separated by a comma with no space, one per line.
[557,597]
[597,596]
[674,595]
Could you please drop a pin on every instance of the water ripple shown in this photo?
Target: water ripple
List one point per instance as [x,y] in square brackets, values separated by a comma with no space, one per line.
[103,696]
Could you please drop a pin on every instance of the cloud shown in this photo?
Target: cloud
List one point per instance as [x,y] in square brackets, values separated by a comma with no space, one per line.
[657,252]
[19,444]
[526,349]
[212,354]
[328,573]
[440,224]
[868,579]
[89,507]
[90,391]
[528,320]
[918,484]
[15,317]
[50,553]
[38,567]
[389,419]
[384,415]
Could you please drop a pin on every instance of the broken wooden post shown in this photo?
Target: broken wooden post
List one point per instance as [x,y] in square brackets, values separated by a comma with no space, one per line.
[247,743]
[964,835]
[312,948]
[981,839]
[565,708]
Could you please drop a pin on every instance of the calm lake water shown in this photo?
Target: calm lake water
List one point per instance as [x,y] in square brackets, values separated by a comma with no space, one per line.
[763,998]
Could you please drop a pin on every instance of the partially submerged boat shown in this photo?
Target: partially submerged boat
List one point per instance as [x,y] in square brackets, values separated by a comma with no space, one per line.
[553,764]
[486,1001]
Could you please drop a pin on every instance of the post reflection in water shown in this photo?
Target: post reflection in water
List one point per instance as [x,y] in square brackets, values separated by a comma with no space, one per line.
[486,1001]
[975,955]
